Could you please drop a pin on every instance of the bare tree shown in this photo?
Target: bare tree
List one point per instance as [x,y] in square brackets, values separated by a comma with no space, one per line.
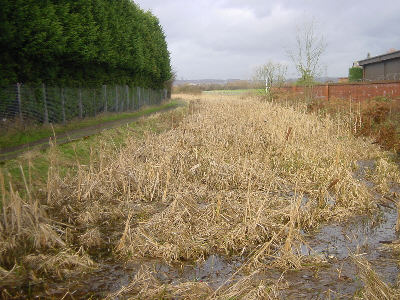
[307,53]
[270,74]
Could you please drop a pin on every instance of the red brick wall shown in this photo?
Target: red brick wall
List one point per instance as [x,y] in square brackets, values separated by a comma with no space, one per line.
[356,91]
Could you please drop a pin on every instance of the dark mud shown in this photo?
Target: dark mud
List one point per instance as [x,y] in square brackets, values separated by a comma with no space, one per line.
[333,277]
[110,278]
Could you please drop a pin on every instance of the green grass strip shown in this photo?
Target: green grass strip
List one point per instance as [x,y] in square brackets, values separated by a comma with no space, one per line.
[16,137]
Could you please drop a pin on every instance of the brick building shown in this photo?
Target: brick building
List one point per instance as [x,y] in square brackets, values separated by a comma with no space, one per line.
[381,67]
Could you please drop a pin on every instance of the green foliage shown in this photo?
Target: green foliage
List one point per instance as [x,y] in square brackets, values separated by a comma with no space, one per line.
[307,79]
[355,74]
[80,42]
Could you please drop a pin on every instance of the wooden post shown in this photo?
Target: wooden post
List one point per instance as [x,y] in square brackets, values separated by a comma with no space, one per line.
[80,103]
[63,105]
[46,112]
[105,98]
[19,101]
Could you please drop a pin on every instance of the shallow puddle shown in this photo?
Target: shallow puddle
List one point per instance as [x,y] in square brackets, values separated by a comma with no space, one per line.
[110,278]
[334,244]
[337,278]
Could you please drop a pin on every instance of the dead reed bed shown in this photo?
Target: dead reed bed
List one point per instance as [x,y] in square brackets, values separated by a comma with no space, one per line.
[378,118]
[235,176]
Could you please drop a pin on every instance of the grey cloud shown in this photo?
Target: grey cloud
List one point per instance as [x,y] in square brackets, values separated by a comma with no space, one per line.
[228,38]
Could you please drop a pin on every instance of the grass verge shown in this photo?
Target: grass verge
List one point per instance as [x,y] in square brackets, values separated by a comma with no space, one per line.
[17,134]
[36,162]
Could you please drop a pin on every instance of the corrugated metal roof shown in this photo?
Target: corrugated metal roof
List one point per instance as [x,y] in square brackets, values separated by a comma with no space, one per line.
[379,58]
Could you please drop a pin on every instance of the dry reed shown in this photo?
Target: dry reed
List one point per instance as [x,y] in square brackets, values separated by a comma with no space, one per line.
[374,287]
[234,177]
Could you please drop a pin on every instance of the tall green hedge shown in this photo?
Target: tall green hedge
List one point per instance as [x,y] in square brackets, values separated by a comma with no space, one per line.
[75,42]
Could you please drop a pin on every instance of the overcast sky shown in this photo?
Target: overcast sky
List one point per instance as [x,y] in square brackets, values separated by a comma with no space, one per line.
[223,39]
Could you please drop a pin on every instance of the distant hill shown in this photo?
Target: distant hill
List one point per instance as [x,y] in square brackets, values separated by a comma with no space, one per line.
[204,81]
[225,81]
[319,79]
[328,79]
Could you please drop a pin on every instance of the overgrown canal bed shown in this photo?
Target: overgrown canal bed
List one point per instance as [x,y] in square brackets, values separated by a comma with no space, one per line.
[237,199]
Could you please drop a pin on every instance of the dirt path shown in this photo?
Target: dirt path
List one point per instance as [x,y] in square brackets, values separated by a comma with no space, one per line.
[70,136]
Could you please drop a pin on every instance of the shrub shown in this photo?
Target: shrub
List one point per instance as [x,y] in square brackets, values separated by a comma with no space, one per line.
[355,74]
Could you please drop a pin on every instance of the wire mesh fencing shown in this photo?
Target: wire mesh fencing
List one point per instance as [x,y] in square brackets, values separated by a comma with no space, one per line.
[53,104]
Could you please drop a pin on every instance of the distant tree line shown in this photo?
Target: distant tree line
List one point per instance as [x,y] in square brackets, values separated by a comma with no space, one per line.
[76,42]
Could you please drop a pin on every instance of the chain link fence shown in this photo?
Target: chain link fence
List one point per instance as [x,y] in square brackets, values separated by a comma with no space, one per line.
[52,104]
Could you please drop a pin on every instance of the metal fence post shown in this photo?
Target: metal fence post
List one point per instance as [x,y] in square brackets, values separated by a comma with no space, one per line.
[116,98]
[63,104]
[94,102]
[133,98]
[80,103]
[19,101]
[127,97]
[139,97]
[46,112]
[105,98]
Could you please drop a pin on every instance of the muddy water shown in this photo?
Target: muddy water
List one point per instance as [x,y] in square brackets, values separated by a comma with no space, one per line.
[110,278]
[333,244]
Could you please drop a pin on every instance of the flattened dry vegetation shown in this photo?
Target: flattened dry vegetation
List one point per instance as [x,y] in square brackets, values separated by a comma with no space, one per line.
[236,177]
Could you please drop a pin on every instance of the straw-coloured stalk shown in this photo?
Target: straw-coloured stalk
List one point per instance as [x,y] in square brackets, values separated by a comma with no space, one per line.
[374,286]
[234,177]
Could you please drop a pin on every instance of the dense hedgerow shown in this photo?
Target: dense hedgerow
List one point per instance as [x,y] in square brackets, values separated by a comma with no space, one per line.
[81,41]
